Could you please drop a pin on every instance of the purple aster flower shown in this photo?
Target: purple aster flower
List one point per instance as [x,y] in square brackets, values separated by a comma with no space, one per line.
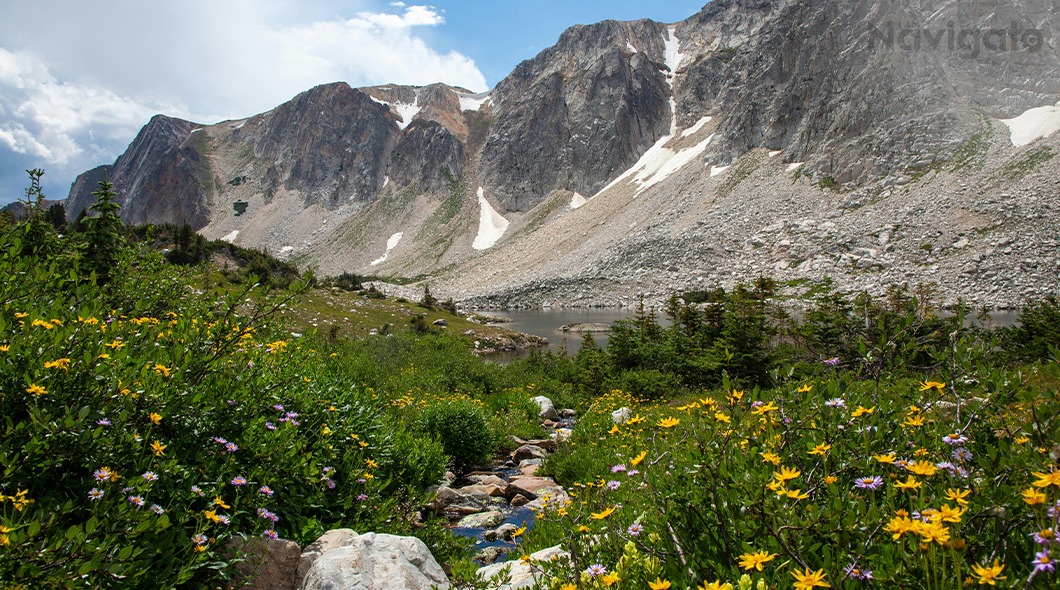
[330,483]
[596,569]
[832,361]
[853,572]
[961,455]
[197,491]
[222,519]
[95,494]
[1045,537]
[150,476]
[871,482]
[291,415]
[956,439]
[103,422]
[361,480]
[362,497]
[635,529]
[157,509]
[1043,562]
[271,534]
[632,472]
[137,501]
[200,539]
[233,402]
[618,468]
[239,480]
[270,426]
[266,490]
[102,474]
[231,447]
[219,440]
[278,407]
[327,470]
[613,485]
[836,402]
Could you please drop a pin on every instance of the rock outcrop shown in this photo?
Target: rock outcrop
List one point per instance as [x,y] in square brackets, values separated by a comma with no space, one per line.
[376,562]
[801,139]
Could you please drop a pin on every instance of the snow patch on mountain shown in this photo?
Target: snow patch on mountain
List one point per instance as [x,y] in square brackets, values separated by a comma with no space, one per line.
[577,201]
[699,125]
[473,102]
[491,225]
[391,243]
[1033,124]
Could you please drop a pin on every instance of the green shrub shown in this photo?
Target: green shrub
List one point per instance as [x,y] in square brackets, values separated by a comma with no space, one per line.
[463,429]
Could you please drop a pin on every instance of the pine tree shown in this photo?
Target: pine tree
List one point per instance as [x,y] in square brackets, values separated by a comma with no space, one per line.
[104,235]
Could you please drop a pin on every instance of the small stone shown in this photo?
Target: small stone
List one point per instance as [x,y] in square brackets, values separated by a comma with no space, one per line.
[519,500]
[483,520]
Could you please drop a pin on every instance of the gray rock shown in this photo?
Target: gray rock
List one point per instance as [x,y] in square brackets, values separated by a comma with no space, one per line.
[488,555]
[529,486]
[521,575]
[483,520]
[332,539]
[529,452]
[548,410]
[377,562]
[270,564]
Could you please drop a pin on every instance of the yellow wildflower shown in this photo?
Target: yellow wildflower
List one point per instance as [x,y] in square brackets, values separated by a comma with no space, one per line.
[1033,497]
[820,449]
[770,458]
[604,513]
[63,363]
[989,575]
[721,417]
[750,561]
[947,514]
[862,411]
[888,458]
[219,502]
[637,460]
[807,579]
[787,473]
[155,417]
[636,419]
[609,579]
[158,448]
[659,584]
[908,484]
[922,468]
[668,422]
[805,388]
[765,408]
[1047,479]
[831,479]
[957,496]
[36,389]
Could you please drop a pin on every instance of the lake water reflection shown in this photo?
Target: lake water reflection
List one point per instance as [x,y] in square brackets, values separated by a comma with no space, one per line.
[547,323]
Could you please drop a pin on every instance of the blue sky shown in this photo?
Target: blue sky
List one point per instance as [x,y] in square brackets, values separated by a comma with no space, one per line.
[76,88]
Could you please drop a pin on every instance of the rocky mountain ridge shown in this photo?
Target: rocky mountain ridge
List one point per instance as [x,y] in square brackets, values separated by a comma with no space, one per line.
[801,139]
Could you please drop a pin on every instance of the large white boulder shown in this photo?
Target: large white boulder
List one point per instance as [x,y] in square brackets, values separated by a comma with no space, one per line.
[548,410]
[522,575]
[377,562]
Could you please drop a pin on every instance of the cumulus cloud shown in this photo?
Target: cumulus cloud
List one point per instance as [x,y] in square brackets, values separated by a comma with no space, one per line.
[74,91]
[44,117]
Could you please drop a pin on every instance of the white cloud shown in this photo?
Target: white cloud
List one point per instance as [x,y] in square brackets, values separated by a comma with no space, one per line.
[46,118]
[80,86]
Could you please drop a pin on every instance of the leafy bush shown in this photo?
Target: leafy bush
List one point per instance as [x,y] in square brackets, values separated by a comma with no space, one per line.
[462,428]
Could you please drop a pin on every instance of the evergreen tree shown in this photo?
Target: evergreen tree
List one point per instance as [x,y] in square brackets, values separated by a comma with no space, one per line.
[104,234]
